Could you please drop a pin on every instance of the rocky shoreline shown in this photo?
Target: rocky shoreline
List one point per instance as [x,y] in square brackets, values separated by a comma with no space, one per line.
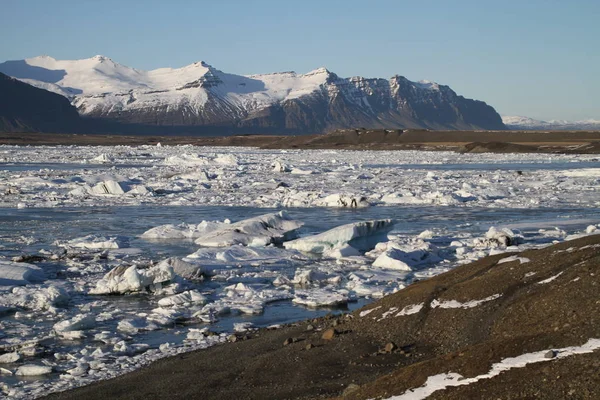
[520,325]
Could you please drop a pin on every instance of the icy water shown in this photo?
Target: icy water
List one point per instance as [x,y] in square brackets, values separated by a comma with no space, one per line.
[443,205]
[49,225]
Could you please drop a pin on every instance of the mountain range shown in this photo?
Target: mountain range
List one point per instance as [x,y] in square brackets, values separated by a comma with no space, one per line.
[526,123]
[200,98]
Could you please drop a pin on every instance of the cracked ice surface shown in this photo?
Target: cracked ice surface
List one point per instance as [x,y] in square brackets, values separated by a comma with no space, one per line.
[92,176]
[77,223]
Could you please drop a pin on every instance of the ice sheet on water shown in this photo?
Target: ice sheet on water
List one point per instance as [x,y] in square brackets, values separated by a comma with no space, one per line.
[94,242]
[181,231]
[257,231]
[18,274]
[361,235]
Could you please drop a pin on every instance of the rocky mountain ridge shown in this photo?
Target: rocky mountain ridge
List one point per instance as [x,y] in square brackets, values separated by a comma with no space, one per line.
[24,108]
[199,95]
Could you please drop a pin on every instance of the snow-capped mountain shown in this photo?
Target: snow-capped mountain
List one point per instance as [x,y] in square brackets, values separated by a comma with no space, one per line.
[200,95]
[526,123]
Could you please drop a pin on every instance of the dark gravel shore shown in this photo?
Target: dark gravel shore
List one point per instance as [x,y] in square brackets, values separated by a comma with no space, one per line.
[462,141]
[380,355]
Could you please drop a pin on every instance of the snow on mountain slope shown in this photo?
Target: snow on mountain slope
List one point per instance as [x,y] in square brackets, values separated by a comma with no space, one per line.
[200,95]
[526,123]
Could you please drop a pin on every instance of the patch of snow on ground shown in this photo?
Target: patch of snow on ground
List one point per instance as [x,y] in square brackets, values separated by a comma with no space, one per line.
[451,379]
[457,304]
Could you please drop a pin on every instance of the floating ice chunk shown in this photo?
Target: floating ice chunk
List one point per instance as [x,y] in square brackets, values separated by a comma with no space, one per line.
[402,198]
[36,298]
[360,235]
[81,369]
[299,171]
[18,274]
[521,260]
[93,242]
[134,325]
[392,259]
[187,297]
[181,231]
[342,200]
[107,188]
[341,251]
[8,358]
[71,328]
[310,276]
[257,231]
[242,326]
[183,268]
[320,298]
[33,370]
[279,166]
[103,159]
[226,159]
[126,279]
[495,237]
[405,256]
[187,159]
[435,303]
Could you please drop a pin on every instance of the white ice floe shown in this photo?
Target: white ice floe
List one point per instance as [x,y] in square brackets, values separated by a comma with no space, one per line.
[73,328]
[211,261]
[499,237]
[181,231]
[184,269]
[33,370]
[8,358]
[187,160]
[127,279]
[451,379]
[35,297]
[16,274]
[342,200]
[360,235]
[187,297]
[103,159]
[321,298]
[305,277]
[257,231]
[94,242]
[457,304]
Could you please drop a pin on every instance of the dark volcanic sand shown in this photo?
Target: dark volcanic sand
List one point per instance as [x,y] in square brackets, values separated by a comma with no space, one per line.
[464,141]
[527,317]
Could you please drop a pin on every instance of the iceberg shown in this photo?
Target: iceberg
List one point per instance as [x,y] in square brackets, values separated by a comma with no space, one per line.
[321,298]
[257,231]
[181,231]
[127,279]
[360,235]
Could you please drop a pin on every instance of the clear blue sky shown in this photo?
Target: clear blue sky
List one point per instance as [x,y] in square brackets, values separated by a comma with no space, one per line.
[539,58]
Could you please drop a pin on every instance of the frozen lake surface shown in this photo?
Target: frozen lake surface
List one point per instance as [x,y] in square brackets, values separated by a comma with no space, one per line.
[100,271]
